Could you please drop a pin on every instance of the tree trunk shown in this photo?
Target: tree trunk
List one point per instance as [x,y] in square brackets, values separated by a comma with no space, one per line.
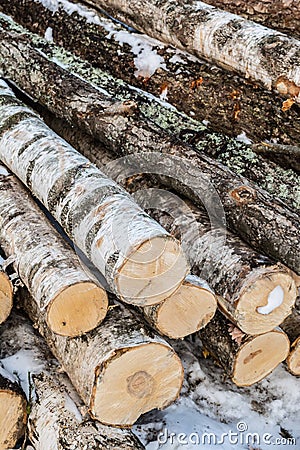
[244,278]
[229,103]
[70,299]
[285,155]
[57,417]
[246,206]
[6,293]
[186,311]
[246,359]
[142,263]
[120,369]
[261,54]
[12,410]
[291,326]
[283,15]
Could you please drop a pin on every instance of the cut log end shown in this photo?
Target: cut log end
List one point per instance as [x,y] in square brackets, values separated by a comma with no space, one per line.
[188,310]
[134,381]
[77,309]
[12,418]
[259,356]
[152,272]
[266,303]
[6,296]
[293,360]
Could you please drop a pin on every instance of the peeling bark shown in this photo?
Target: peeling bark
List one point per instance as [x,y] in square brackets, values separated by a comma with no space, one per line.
[97,214]
[248,48]
[246,359]
[12,410]
[291,326]
[229,103]
[57,419]
[246,206]
[70,299]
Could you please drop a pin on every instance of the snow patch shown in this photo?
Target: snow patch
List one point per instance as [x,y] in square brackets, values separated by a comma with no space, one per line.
[177,58]
[70,8]
[49,34]
[5,374]
[72,408]
[4,171]
[275,299]
[243,138]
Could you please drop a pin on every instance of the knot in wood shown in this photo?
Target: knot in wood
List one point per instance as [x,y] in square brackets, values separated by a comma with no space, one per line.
[286,87]
[243,195]
[140,384]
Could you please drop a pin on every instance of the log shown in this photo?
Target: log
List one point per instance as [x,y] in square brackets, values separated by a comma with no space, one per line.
[291,326]
[13,408]
[285,155]
[226,39]
[283,15]
[70,299]
[6,293]
[246,359]
[57,418]
[120,369]
[243,278]
[186,311]
[142,263]
[246,206]
[229,103]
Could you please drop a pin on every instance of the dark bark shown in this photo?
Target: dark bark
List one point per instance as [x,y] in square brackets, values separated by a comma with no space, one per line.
[230,104]
[260,219]
[285,155]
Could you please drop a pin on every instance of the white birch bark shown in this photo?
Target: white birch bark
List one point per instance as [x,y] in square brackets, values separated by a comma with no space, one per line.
[69,298]
[142,263]
[256,52]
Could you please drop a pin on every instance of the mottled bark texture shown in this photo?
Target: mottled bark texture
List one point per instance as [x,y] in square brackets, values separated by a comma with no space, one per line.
[120,369]
[285,155]
[228,102]
[246,206]
[97,214]
[291,326]
[58,418]
[51,271]
[12,410]
[256,52]
[283,15]
[246,359]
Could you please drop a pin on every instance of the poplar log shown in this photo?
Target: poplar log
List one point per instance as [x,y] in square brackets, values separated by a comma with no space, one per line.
[246,359]
[229,103]
[12,410]
[142,263]
[291,326]
[6,294]
[246,206]
[58,418]
[256,52]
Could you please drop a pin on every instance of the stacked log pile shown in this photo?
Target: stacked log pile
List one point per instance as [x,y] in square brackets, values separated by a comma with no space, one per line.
[92,155]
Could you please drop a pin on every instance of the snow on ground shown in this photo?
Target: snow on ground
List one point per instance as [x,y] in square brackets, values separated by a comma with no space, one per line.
[230,416]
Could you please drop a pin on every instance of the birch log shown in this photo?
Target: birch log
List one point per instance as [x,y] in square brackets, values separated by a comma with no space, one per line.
[6,293]
[13,407]
[246,206]
[66,294]
[186,311]
[256,52]
[229,103]
[291,326]
[120,369]
[58,418]
[246,359]
[142,263]
[283,15]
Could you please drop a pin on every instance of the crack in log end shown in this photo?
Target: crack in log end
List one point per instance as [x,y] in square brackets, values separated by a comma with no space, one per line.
[140,384]
[243,195]
[251,356]
[286,87]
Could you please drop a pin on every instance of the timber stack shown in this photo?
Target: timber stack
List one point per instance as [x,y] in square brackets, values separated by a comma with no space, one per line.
[132,134]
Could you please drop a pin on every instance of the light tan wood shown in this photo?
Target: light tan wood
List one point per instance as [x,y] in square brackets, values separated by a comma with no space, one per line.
[6,296]
[293,360]
[12,408]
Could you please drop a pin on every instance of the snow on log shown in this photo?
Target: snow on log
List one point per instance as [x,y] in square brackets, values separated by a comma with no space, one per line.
[6,293]
[246,359]
[13,407]
[120,369]
[227,102]
[142,263]
[291,326]
[186,311]
[58,418]
[70,299]
[254,51]
[283,15]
